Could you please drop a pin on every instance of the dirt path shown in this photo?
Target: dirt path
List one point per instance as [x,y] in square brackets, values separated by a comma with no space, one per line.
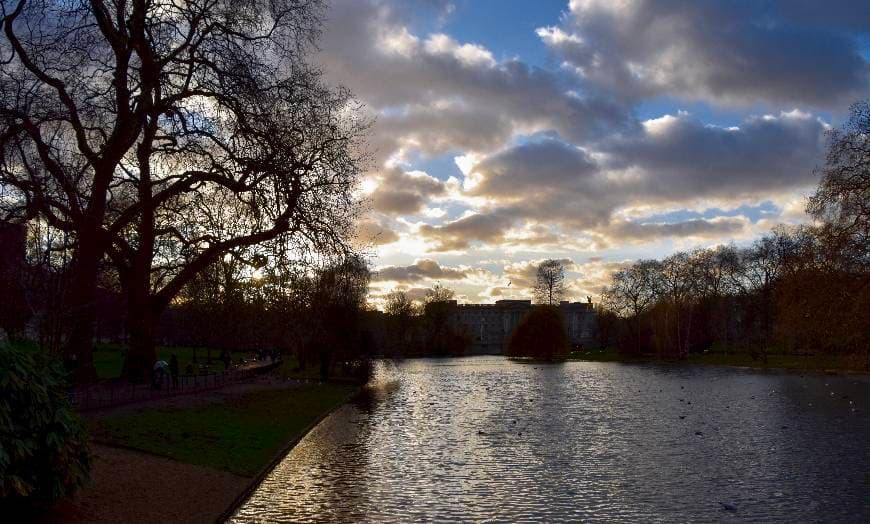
[132,487]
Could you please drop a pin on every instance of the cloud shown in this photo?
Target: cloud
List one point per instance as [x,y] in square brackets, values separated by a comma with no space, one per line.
[460,233]
[372,232]
[545,180]
[673,161]
[441,127]
[785,52]
[522,275]
[554,161]
[369,47]
[582,278]
[678,158]
[697,228]
[401,192]
[422,269]
[592,276]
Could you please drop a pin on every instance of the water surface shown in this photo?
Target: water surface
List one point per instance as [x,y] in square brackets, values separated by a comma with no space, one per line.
[487,439]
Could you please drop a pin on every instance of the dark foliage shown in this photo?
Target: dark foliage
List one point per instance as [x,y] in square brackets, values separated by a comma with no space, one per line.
[43,445]
[540,335]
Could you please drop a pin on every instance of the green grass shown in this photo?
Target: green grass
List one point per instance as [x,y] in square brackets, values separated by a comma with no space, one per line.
[818,362]
[775,361]
[109,361]
[109,358]
[240,436]
[290,370]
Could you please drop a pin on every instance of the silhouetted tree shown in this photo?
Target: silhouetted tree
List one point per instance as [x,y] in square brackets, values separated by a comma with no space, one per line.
[550,282]
[167,134]
[631,292]
[440,338]
[402,313]
[541,334]
[337,302]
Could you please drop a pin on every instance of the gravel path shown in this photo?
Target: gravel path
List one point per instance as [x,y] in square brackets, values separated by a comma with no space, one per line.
[132,487]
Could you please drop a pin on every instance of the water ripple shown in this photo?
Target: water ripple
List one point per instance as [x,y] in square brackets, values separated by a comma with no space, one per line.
[488,440]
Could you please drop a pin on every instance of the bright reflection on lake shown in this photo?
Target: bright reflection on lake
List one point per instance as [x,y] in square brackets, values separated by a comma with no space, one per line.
[484,438]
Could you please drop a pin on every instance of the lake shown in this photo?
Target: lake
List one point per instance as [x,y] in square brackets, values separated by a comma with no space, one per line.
[485,438]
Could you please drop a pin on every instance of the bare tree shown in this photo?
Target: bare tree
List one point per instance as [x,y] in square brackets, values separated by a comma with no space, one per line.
[167,134]
[399,304]
[437,294]
[550,282]
[842,200]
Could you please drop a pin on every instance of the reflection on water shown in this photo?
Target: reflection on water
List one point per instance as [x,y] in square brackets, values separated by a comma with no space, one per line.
[483,438]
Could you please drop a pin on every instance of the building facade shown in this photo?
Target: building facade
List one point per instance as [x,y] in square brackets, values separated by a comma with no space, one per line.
[490,326]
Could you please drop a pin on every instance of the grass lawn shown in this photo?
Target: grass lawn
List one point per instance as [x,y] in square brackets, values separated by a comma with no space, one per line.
[774,360]
[240,435]
[109,358]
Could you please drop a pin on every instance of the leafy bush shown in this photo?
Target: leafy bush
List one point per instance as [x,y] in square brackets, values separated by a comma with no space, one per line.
[43,444]
[540,335]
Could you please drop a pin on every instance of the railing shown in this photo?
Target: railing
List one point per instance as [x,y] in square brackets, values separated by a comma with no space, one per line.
[116,393]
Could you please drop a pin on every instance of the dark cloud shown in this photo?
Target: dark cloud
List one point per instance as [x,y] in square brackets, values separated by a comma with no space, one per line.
[534,167]
[371,232]
[689,228]
[547,180]
[778,52]
[675,160]
[443,128]
[459,234]
[400,192]
[682,159]
[424,269]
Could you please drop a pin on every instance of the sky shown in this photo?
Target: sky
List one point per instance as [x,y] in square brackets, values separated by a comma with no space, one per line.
[596,132]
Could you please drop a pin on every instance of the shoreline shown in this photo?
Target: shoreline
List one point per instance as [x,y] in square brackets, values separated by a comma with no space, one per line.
[255,482]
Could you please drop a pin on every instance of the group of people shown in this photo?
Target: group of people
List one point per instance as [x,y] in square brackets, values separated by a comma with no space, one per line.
[162,369]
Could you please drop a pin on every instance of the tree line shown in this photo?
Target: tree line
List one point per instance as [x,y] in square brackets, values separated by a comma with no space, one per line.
[796,289]
[411,329]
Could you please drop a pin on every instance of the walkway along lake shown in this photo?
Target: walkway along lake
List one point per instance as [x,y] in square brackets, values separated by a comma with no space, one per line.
[484,438]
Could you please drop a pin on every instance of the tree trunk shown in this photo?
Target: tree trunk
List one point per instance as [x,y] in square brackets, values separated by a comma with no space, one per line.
[82,312]
[142,326]
[143,310]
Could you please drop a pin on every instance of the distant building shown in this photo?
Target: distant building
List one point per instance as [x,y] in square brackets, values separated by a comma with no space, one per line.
[490,326]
